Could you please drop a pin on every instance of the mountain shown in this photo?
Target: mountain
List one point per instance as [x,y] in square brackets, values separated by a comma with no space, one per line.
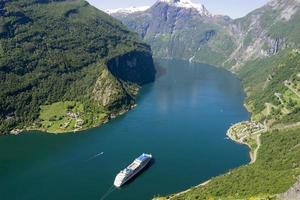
[263,50]
[65,65]
[265,32]
[126,11]
[267,57]
[250,46]
[183,30]
[274,100]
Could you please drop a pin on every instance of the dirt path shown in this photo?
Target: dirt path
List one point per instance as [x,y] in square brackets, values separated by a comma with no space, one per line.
[269,107]
[254,154]
[292,89]
[258,140]
[283,127]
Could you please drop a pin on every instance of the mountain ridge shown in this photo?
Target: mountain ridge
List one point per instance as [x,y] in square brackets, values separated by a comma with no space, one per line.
[187,4]
[52,52]
[247,38]
[180,32]
[262,49]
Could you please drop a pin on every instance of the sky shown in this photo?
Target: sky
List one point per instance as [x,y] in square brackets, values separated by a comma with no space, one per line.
[233,8]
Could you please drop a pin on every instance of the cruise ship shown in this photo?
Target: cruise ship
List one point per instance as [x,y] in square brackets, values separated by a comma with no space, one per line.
[129,172]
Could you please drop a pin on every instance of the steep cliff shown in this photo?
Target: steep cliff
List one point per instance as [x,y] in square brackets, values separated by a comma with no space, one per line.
[182,30]
[119,82]
[265,32]
[135,67]
[55,51]
[262,48]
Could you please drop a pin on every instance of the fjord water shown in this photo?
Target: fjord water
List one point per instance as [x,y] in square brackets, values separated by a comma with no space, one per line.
[181,119]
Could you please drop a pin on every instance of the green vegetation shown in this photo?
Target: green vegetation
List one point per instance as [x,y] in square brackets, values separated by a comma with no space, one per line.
[267,81]
[68,116]
[54,51]
[272,84]
[276,169]
[205,42]
[287,30]
[246,132]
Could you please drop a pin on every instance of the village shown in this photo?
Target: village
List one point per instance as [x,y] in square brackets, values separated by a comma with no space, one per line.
[73,116]
[243,130]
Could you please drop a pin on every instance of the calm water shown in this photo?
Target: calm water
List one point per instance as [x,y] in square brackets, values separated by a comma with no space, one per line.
[181,119]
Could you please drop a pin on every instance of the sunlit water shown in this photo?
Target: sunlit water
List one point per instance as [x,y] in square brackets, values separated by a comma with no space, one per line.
[181,119]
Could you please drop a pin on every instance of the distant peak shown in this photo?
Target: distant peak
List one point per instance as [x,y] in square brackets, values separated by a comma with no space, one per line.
[188,4]
[129,10]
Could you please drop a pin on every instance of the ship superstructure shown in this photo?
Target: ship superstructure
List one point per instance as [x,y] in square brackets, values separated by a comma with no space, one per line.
[137,165]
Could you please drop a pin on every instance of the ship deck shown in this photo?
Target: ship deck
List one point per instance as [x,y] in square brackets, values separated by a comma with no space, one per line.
[133,166]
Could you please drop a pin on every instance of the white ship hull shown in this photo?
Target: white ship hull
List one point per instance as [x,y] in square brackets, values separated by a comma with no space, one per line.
[129,172]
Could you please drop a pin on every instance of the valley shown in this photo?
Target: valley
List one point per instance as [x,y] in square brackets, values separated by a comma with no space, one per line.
[34,164]
[68,67]
[262,49]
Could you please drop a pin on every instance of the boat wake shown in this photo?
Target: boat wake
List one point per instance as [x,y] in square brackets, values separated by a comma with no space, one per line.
[94,156]
[108,192]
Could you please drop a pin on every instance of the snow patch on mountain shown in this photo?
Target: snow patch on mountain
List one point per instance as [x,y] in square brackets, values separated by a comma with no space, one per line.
[129,10]
[188,5]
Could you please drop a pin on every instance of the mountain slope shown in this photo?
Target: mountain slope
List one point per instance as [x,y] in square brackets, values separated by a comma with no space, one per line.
[267,59]
[182,30]
[265,32]
[66,50]
[126,11]
[274,172]
[250,46]
[262,48]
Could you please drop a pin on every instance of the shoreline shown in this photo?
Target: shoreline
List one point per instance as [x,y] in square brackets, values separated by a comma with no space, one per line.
[16,132]
[243,140]
[252,154]
[180,193]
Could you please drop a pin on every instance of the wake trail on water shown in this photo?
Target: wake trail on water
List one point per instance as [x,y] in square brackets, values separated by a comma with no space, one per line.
[94,156]
[108,192]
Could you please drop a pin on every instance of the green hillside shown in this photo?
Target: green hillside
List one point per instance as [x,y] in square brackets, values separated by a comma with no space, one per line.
[266,58]
[206,43]
[56,51]
[277,165]
[274,172]
[272,85]
[217,40]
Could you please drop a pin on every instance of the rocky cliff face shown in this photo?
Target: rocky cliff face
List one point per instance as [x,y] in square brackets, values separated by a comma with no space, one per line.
[121,79]
[53,51]
[110,93]
[184,32]
[163,18]
[264,32]
[134,67]
[180,29]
